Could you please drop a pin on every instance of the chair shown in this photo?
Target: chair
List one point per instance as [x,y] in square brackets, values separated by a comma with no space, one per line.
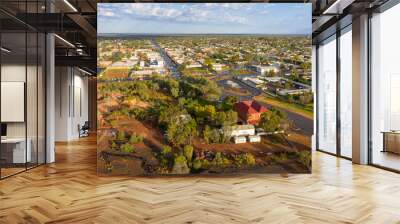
[84,130]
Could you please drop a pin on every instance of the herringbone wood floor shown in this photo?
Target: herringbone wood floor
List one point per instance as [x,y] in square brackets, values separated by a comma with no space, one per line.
[69,191]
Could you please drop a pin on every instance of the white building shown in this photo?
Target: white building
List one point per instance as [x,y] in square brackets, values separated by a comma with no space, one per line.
[243,130]
[265,69]
[284,92]
[254,138]
[239,139]
[272,79]
[194,65]
[254,81]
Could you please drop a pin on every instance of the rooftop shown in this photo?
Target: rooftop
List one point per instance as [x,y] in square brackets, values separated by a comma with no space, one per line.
[250,106]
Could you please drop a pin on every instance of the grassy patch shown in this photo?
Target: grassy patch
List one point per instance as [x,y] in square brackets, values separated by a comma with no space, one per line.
[112,73]
[305,111]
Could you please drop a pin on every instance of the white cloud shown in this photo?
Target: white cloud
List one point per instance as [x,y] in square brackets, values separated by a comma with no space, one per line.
[234,6]
[185,13]
[106,12]
[150,10]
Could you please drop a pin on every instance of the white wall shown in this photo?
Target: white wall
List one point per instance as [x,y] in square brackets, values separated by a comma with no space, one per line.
[33,126]
[14,73]
[71,102]
[314,89]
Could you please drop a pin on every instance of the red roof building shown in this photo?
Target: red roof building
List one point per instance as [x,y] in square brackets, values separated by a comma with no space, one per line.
[249,111]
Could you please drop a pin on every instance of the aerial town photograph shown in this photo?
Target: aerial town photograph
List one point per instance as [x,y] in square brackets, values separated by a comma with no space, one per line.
[212,89]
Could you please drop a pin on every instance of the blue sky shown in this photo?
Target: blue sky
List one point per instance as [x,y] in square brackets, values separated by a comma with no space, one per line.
[200,18]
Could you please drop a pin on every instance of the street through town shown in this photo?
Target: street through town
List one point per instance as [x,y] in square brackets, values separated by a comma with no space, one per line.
[303,124]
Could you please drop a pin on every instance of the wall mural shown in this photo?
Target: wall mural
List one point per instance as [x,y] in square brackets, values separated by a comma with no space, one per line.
[204,88]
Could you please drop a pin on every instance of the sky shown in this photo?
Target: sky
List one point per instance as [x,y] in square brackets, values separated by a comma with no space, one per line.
[204,18]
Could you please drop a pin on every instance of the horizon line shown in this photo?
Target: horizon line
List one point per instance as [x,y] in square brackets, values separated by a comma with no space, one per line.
[302,34]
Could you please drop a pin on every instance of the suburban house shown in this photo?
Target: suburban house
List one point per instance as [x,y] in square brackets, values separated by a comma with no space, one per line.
[261,69]
[156,63]
[241,133]
[194,65]
[240,130]
[249,111]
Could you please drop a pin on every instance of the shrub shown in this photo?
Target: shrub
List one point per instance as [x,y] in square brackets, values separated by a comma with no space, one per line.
[180,165]
[134,139]
[305,158]
[197,164]
[127,148]
[113,145]
[250,160]
[121,136]
[215,136]
[205,164]
[207,134]
[220,160]
[113,123]
[280,157]
[188,152]
[246,159]
[165,157]
[166,150]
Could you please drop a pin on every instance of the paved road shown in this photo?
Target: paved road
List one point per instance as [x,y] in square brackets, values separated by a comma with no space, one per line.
[172,67]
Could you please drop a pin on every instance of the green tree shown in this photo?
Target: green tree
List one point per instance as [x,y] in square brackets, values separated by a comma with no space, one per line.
[270,121]
[226,118]
[249,58]
[305,158]
[306,65]
[246,159]
[197,164]
[231,100]
[182,66]
[121,136]
[306,98]
[188,152]
[169,113]
[234,59]
[220,118]
[231,117]
[179,132]
[207,133]
[220,160]
[166,150]
[271,73]
[225,136]
[215,136]
[287,85]
[134,139]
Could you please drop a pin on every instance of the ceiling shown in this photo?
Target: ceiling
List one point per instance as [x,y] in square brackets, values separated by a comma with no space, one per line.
[330,15]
